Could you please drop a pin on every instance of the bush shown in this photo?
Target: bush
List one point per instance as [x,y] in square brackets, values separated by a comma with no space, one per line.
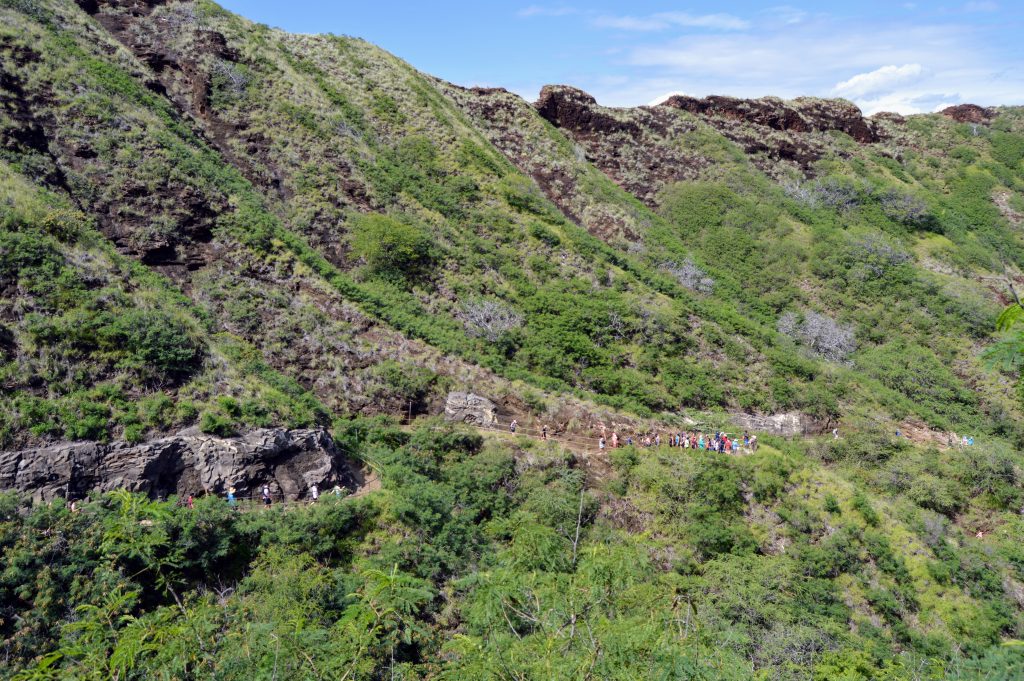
[1007,148]
[861,504]
[697,206]
[155,343]
[934,393]
[215,424]
[489,319]
[690,275]
[877,254]
[904,208]
[820,334]
[838,193]
[394,249]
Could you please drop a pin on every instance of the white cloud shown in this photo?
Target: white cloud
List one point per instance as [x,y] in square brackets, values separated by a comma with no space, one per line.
[631,23]
[665,20]
[661,98]
[927,65]
[883,78]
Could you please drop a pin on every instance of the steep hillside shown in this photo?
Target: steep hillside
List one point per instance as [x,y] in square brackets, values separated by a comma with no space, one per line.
[209,227]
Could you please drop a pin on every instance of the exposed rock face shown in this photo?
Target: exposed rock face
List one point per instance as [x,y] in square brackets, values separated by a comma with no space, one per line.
[800,115]
[470,408]
[568,107]
[188,462]
[786,425]
[644,148]
[968,113]
[637,148]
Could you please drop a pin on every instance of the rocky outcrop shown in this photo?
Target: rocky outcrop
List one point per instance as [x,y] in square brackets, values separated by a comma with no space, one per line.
[785,425]
[470,408]
[805,114]
[188,462]
[969,113]
[637,148]
[568,107]
[644,148]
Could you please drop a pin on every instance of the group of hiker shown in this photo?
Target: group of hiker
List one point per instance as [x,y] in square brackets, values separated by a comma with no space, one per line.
[713,442]
[266,495]
[696,439]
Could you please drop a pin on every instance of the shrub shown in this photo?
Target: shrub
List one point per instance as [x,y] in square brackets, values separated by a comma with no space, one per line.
[154,343]
[871,446]
[820,334]
[489,319]
[522,195]
[833,192]
[696,206]
[861,504]
[932,389]
[1007,148]
[409,384]
[878,254]
[215,424]
[690,275]
[392,248]
[904,208]
[228,80]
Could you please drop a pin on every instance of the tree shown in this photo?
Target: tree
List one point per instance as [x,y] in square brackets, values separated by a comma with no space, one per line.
[490,319]
[392,248]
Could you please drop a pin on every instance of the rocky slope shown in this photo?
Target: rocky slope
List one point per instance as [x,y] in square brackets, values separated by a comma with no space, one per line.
[642,258]
[230,255]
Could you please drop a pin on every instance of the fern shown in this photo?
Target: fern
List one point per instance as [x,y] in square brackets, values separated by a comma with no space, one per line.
[1010,317]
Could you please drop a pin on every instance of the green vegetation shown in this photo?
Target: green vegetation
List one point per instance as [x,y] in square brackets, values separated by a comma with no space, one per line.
[475,562]
[286,231]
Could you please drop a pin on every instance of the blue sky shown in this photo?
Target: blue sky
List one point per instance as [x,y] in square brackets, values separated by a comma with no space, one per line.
[896,56]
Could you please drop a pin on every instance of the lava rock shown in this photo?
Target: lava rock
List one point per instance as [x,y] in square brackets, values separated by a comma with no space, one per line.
[188,462]
[470,408]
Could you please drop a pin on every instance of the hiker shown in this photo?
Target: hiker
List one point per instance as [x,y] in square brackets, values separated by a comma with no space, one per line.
[232,502]
[600,443]
[266,495]
[314,492]
[336,491]
[615,440]
[835,433]
[746,439]
[190,502]
[657,439]
[512,426]
[629,440]
[544,432]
